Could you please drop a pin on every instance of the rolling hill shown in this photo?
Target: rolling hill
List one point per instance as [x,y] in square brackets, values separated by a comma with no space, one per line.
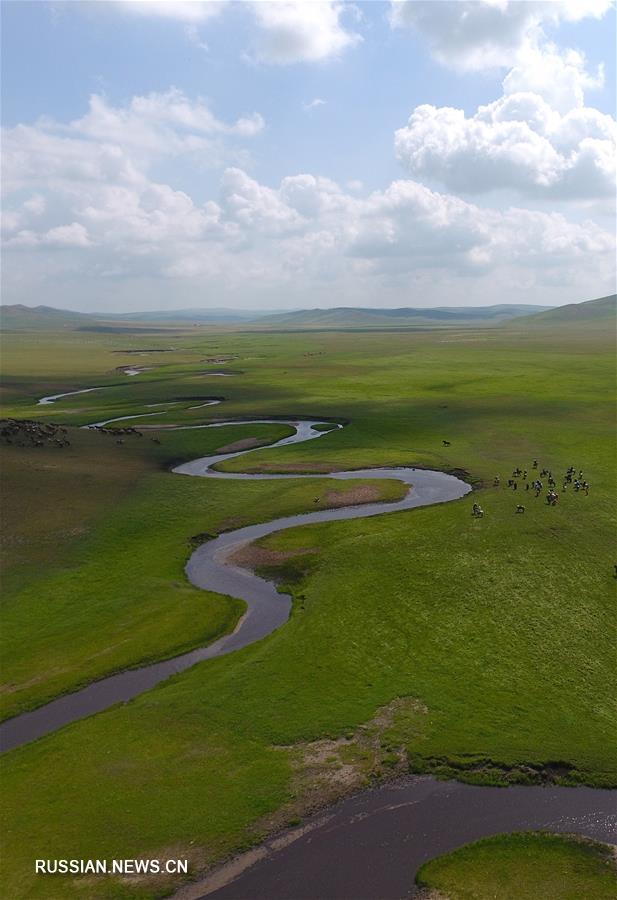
[602,310]
[39,318]
[404,317]
[18,317]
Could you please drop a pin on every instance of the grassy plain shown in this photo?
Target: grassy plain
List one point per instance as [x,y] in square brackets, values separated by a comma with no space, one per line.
[523,866]
[108,531]
[501,629]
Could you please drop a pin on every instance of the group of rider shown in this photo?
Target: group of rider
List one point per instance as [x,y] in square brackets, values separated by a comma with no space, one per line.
[536,485]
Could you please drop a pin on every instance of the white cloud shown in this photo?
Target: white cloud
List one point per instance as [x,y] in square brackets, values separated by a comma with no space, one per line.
[73,235]
[85,205]
[560,77]
[188,11]
[257,210]
[293,32]
[472,35]
[117,144]
[35,205]
[313,104]
[285,31]
[193,36]
[539,138]
[518,142]
[257,243]
[165,123]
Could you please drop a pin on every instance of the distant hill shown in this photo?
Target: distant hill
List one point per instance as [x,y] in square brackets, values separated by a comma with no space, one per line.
[350,316]
[39,318]
[46,318]
[18,317]
[183,315]
[604,309]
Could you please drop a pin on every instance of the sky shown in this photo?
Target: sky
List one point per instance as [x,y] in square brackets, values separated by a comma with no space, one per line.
[285,155]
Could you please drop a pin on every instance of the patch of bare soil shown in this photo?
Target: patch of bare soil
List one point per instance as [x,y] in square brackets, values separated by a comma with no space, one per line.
[366,493]
[327,770]
[251,556]
[244,444]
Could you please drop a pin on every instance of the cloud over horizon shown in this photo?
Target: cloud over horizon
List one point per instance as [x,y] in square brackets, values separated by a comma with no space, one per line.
[110,202]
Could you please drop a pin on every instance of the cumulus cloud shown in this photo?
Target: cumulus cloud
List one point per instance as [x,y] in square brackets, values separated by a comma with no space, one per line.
[560,77]
[293,32]
[305,236]
[472,35]
[539,138]
[116,144]
[84,205]
[167,122]
[518,142]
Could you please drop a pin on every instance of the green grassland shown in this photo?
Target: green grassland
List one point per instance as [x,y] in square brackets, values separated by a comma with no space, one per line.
[502,629]
[523,866]
[108,590]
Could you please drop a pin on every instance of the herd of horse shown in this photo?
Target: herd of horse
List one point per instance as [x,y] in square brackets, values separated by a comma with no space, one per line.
[521,476]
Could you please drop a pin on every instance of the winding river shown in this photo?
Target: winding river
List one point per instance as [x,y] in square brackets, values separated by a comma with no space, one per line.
[209,568]
[367,847]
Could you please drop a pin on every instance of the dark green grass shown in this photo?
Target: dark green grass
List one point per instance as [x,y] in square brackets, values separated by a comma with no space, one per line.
[524,866]
[504,627]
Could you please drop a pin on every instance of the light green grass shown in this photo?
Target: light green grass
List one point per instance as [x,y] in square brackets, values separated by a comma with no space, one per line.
[524,866]
[503,627]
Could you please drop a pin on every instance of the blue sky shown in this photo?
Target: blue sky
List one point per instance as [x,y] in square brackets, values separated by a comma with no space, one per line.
[437,214]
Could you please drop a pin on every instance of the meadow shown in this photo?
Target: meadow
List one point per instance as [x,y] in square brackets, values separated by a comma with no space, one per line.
[488,643]
[523,867]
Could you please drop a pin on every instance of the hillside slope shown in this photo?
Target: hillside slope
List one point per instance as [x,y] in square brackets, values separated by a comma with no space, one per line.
[599,311]
[18,317]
